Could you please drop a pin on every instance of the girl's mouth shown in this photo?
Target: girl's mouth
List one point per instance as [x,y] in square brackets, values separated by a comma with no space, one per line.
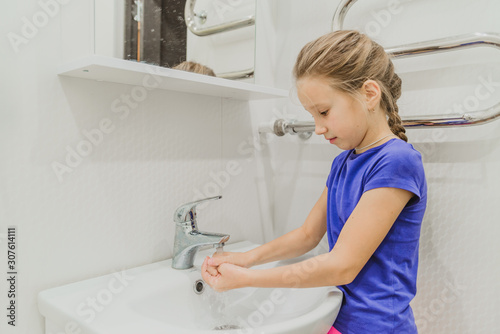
[331,140]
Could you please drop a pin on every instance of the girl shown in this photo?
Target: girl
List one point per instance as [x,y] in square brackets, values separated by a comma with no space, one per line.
[373,203]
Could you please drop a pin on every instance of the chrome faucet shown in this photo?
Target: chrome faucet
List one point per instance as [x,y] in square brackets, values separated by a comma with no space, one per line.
[188,239]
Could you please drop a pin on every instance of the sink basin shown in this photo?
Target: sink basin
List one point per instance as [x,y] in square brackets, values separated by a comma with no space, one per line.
[156,299]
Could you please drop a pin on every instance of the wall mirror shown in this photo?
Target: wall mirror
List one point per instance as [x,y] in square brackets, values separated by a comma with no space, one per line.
[218,34]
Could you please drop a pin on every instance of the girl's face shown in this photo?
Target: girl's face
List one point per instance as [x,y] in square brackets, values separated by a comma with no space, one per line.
[338,116]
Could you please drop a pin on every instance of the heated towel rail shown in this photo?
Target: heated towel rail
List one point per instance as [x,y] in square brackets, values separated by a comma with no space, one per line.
[281,127]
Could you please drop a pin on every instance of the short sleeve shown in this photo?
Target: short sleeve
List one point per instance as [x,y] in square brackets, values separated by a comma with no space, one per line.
[336,163]
[401,169]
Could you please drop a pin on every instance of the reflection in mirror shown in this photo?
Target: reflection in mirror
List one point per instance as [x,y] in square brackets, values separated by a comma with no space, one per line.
[191,66]
[214,34]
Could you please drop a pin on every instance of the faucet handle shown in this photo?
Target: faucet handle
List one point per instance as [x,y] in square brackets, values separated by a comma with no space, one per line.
[187,212]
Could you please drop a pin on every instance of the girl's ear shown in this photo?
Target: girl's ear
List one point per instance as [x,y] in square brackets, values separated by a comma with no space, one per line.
[372,92]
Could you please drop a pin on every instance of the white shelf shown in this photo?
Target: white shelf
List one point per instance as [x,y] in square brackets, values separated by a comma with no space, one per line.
[139,74]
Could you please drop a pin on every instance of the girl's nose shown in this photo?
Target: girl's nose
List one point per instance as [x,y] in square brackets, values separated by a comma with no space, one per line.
[319,130]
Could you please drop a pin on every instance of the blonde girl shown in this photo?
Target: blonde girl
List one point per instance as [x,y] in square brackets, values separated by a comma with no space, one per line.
[374,200]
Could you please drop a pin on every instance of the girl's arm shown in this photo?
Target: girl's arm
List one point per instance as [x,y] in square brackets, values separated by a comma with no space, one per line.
[367,226]
[290,245]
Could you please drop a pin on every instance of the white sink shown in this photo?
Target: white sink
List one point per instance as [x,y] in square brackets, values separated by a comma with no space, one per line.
[156,299]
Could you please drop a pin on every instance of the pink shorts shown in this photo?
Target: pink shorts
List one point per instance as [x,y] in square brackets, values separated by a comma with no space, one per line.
[333,331]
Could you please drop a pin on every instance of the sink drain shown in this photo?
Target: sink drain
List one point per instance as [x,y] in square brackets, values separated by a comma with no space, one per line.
[199,286]
[223,327]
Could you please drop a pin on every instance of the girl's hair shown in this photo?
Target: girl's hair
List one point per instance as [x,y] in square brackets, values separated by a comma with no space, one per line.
[348,58]
[191,66]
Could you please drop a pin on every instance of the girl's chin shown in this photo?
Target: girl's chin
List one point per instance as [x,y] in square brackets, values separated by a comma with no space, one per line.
[346,148]
[342,146]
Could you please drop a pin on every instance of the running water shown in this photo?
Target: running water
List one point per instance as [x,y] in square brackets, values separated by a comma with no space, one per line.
[217,303]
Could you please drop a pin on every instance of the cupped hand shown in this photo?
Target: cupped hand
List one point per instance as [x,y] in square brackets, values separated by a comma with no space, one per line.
[237,258]
[225,277]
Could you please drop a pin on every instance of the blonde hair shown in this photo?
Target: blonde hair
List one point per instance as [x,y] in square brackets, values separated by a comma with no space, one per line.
[191,66]
[348,58]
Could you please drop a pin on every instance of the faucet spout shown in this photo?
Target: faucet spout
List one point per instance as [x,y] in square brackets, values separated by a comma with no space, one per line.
[188,239]
[186,246]
[205,238]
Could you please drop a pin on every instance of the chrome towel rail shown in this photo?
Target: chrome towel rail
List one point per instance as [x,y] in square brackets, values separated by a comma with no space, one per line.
[445,45]
[189,17]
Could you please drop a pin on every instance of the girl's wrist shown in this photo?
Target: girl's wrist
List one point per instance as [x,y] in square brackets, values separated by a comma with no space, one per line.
[249,259]
[250,278]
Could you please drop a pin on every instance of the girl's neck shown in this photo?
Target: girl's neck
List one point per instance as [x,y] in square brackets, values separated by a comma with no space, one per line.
[378,142]
[378,132]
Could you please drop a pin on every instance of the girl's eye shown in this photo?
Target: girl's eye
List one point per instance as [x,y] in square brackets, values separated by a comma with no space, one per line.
[324,113]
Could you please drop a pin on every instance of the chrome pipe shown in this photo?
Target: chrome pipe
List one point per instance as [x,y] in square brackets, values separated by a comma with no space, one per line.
[281,127]
[190,15]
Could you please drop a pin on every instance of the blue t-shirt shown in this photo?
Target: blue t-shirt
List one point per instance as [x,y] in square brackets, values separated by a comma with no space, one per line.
[378,300]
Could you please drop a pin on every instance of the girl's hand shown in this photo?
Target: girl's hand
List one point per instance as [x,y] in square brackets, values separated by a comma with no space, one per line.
[237,258]
[225,277]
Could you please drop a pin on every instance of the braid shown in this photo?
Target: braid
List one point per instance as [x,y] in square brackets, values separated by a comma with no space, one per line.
[396,124]
[389,98]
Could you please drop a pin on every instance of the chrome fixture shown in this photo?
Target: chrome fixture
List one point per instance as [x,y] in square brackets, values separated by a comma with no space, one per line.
[189,17]
[188,239]
[280,127]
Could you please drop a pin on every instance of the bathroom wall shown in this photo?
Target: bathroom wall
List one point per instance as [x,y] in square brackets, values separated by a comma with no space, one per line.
[458,276]
[90,180]
[114,209]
